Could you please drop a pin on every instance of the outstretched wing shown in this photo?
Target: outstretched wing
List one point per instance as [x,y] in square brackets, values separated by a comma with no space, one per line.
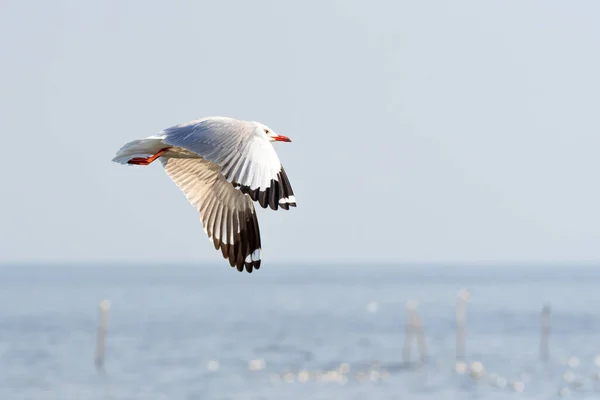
[248,162]
[227,215]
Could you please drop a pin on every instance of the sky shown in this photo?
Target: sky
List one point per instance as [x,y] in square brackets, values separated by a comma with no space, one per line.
[423,131]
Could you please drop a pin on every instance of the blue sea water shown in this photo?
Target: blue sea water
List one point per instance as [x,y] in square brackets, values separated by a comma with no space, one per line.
[296,332]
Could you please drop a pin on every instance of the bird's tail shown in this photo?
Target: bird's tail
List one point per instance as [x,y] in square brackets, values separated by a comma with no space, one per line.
[139,148]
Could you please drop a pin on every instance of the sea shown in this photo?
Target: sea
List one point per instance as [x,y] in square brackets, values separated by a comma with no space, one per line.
[299,331]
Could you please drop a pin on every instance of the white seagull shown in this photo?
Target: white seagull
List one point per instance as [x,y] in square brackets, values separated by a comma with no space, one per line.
[222,165]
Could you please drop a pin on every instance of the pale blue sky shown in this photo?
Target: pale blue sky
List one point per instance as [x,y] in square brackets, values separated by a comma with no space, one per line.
[423,131]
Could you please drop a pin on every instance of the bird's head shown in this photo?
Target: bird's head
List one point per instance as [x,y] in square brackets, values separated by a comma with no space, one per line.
[272,136]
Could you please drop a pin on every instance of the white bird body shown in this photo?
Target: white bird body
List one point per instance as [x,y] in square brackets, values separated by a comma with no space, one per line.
[222,165]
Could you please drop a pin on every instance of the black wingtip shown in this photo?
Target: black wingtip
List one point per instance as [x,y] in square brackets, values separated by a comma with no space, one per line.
[244,253]
[249,267]
[279,194]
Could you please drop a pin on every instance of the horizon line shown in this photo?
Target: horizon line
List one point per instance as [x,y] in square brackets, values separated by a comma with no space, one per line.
[306,263]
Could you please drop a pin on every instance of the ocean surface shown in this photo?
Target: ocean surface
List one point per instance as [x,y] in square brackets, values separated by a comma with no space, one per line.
[297,332]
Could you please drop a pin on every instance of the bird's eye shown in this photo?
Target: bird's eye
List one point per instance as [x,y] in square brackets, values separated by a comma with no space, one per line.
[266,131]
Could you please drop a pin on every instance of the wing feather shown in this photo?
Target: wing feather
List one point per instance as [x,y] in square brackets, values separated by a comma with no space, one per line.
[227,215]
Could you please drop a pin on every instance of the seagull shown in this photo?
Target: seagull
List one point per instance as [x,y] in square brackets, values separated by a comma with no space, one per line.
[223,165]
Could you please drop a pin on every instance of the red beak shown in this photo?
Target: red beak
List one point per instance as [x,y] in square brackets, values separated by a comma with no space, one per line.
[281,138]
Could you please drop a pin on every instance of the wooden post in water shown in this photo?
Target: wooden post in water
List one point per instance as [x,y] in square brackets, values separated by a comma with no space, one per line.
[101,335]
[422,346]
[461,316]
[545,333]
[411,306]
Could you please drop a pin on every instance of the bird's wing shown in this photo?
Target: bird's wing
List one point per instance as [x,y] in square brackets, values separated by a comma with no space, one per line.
[227,215]
[249,163]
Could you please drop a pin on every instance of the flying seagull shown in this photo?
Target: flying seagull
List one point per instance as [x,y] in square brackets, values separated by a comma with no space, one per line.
[222,165]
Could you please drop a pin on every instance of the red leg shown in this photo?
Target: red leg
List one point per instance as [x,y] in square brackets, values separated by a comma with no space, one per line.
[147,160]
